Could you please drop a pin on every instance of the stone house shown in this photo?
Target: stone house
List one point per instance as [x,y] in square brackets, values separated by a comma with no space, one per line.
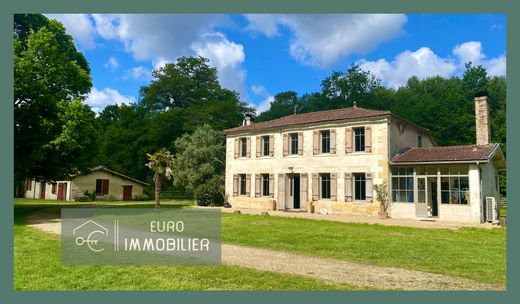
[101,180]
[327,162]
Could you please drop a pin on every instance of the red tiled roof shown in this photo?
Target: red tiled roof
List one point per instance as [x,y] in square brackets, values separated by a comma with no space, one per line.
[446,154]
[313,117]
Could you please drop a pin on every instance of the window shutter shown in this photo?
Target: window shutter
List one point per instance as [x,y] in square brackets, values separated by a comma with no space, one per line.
[271,145]
[300,143]
[368,139]
[104,189]
[248,147]
[315,142]
[348,140]
[257,185]
[333,187]
[303,191]
[236,148]
[258,146]
[281,192]
[368,187]
[235,184]
[348,187]
[285,144]
[248,184]
[333,141]
[315,187]
[271,185]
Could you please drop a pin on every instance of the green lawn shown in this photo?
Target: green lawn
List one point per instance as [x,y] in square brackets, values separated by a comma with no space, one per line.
[503,211]
[37,266]
[478,254]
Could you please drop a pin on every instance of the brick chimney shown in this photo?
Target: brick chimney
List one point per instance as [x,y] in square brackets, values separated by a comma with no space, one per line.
[482,118]
[249,119]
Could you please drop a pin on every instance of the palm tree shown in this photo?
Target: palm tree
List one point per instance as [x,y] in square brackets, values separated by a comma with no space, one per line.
[160,163]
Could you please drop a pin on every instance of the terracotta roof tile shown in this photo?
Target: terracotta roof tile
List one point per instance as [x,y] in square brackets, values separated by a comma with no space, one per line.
[445,154]
[312,117]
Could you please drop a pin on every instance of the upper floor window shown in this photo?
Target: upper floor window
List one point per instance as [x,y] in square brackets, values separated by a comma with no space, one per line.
[293,143]
[243,147]
[359,139]
[419,141]
[325,141]
[265,145]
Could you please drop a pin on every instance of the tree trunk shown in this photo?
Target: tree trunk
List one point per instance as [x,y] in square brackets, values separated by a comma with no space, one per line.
[157,179]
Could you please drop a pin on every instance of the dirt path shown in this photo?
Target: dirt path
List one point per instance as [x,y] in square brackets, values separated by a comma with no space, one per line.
[327,270]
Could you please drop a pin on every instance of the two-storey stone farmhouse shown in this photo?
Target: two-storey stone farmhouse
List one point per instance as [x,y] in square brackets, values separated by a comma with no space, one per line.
[327,162]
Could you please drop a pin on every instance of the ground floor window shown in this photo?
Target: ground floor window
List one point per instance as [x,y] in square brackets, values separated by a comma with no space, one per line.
[455,190]
[101,186]
[359,186]
[402,185]
[243,184]
[325,185]
[265,184]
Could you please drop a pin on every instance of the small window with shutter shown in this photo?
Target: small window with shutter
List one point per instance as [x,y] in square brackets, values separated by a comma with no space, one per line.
[243,147]
[359,186]
[265,145]
[325,141]
[293,143]
[325,186]
[243,184]
[359,139]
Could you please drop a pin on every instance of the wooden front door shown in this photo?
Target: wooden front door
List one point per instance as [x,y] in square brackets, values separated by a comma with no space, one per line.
[127,193]
[42,190]
[62,190]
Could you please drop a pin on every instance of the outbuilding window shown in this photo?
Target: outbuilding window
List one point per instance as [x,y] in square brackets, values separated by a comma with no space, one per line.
[101,186]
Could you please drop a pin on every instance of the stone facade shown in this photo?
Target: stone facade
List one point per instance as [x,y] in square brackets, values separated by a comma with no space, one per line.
[342,163]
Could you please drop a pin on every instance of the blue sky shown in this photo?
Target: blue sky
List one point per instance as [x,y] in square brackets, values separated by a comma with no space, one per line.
[261,55]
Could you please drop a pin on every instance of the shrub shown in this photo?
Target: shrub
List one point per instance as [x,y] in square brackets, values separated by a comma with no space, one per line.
[110,198]
[140,197]
[83,198]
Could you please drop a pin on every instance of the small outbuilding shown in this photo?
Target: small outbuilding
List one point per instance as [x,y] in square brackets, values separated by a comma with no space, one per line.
[99,180]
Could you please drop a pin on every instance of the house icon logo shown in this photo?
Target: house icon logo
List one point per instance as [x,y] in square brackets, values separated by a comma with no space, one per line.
[91,234]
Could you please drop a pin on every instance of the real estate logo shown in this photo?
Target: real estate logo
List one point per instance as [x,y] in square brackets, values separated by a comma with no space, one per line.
[98,236]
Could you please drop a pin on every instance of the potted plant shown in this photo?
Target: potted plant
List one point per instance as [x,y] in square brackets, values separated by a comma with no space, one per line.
[382,198]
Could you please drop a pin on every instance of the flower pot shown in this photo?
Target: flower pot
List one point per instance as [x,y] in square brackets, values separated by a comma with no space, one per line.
[383,215]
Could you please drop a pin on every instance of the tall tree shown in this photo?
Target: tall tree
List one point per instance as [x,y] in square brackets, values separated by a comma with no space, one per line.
[284,103]
[160,163]
[51,79]
[199,165]
[353,85]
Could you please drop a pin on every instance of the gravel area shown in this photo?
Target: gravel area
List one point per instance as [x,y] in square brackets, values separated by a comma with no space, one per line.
[327,270]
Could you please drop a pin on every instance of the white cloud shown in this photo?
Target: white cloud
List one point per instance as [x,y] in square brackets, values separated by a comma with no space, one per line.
[469,51]
[321,40]
[79,26]
[425,63]
[472,51]
[139,73]
[227,57]
[112,63]
[422,63]
[259,90]
[99,99]
[164,38]
[264,105]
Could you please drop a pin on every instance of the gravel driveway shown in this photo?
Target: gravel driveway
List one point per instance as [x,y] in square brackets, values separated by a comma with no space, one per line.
[327,270]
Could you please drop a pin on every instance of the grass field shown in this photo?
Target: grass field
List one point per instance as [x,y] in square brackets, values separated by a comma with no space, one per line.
[478,254]
[37,266]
